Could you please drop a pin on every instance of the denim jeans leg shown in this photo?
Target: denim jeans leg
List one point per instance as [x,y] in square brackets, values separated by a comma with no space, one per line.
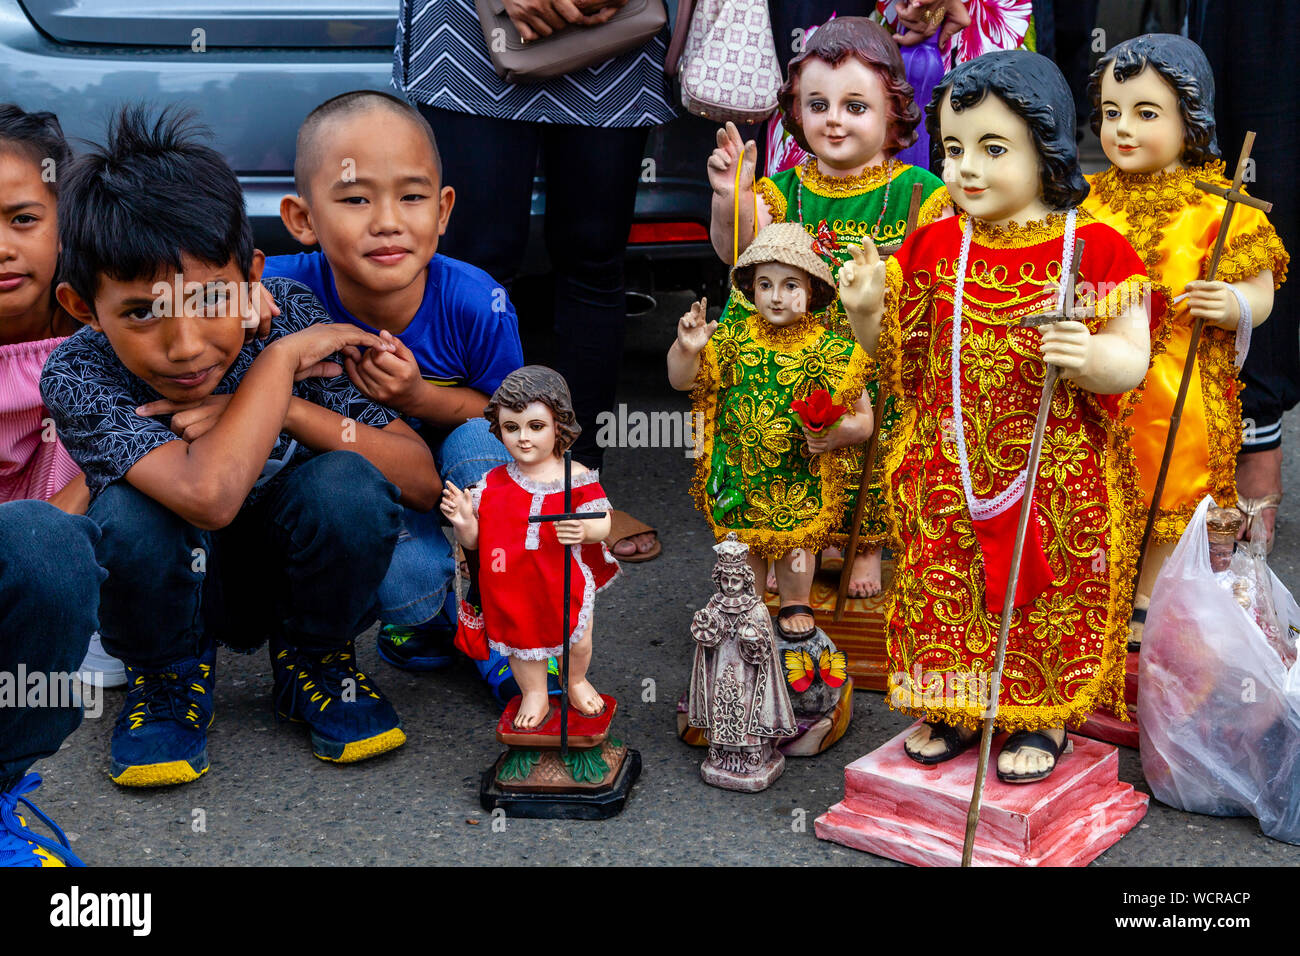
[151,605]
[333,522]
[420,575]
[49,600]
[468,453]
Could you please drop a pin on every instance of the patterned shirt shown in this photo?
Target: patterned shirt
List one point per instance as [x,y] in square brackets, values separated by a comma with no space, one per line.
[442,60]
[92,397]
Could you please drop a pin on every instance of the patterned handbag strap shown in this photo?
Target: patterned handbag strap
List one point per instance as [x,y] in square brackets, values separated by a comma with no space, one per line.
[984,508]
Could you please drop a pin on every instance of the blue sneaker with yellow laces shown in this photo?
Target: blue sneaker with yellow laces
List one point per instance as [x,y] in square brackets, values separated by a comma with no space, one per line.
[19,846]
[161,735]
[348,717]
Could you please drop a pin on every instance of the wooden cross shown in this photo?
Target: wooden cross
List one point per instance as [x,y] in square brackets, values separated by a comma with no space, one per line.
[1233,195]
[1066,311]
[567,515]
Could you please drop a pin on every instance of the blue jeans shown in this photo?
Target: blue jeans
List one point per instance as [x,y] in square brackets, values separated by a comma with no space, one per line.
[49,596]
[418,583]
[301,564]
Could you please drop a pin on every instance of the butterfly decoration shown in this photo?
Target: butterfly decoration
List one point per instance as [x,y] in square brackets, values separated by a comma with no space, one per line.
[825,241]
[799,671]
[834,667]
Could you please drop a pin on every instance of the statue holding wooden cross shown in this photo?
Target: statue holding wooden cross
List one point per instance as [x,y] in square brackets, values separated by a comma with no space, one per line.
[532,531]
[1209,244]
[1010,490]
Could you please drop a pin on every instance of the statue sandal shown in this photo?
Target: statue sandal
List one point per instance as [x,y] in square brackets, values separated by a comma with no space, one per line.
[952,740]
[1038,741]
[794,610]
[1136,624]
[1253,508]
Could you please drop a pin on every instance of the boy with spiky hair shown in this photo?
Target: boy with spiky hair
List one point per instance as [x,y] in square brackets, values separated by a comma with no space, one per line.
[245,490]
[370,192]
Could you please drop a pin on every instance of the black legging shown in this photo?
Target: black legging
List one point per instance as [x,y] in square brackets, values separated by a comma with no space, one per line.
[591,181]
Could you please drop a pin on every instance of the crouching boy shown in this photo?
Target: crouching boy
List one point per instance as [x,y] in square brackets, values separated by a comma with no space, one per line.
[245,490]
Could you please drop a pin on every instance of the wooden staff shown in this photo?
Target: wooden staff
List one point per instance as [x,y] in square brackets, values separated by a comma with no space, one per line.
[1233,195]
[873,446]
[1065,313]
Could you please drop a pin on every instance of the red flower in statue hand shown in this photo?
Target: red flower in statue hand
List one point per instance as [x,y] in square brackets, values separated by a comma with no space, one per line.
[825,241]
[819,412]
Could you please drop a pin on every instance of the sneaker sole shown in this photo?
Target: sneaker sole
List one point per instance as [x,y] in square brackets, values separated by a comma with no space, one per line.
[160,774]
[335,752]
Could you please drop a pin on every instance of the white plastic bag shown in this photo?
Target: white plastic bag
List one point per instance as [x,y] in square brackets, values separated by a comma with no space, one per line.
[1219,710]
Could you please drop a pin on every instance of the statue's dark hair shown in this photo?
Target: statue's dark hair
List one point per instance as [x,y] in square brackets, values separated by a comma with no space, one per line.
[536,383]
[834,42]
[1033,88]
[1181,64]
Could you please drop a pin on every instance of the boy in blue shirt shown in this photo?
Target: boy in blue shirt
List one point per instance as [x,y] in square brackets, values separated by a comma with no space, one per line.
[244,489]
[369,186]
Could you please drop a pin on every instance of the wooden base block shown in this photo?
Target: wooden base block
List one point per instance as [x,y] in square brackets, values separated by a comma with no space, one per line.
[816,733]
[860,634]
[896,808]
[575,803]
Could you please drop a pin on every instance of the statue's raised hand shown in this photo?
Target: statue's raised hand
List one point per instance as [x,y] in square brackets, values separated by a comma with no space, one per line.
[694,329]
[862,279]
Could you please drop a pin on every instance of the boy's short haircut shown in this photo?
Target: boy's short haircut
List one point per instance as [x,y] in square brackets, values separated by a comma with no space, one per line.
[152,194]
[307,150]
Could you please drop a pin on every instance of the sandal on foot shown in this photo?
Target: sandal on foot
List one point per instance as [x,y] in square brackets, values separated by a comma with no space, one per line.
[1253,508]
[1136,624]
[794,610]
[1038,741]
[622,525]
[952,740]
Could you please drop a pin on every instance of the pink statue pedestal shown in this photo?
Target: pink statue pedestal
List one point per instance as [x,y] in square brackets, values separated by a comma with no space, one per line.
[894,807]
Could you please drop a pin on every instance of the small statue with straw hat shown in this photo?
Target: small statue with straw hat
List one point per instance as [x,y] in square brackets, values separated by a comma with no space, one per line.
[780,399]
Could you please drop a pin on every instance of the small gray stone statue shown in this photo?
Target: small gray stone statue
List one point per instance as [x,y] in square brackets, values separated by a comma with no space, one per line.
[738,693]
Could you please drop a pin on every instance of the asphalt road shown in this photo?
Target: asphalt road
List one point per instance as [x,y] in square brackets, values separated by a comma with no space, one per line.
[267,800]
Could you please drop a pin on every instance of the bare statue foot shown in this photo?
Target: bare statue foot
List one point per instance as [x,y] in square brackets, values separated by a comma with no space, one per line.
[585,698]
[532,710]
[864,581]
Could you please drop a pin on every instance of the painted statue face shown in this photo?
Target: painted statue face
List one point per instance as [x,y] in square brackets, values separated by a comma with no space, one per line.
[844,114]
[1141,127]
[529,435]
[781,292]
[991,166]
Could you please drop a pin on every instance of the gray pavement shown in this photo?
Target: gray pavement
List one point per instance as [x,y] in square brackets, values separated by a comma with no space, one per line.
[268,801]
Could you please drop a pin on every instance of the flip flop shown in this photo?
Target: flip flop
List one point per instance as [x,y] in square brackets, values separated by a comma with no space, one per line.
[623,525]
[1136,624]
[793,610]
[1253,508]
[952,739]
[1039,741]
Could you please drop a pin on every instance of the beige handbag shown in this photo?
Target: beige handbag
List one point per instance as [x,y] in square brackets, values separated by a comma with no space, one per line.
[567,50]
[728,68]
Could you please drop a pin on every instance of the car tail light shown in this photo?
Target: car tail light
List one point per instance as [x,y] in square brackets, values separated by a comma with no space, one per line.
[644,233]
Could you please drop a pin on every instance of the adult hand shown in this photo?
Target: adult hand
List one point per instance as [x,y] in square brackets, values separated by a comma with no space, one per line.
[540,18]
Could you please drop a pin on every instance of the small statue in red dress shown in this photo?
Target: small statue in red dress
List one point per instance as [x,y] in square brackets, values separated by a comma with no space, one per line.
[521,563]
